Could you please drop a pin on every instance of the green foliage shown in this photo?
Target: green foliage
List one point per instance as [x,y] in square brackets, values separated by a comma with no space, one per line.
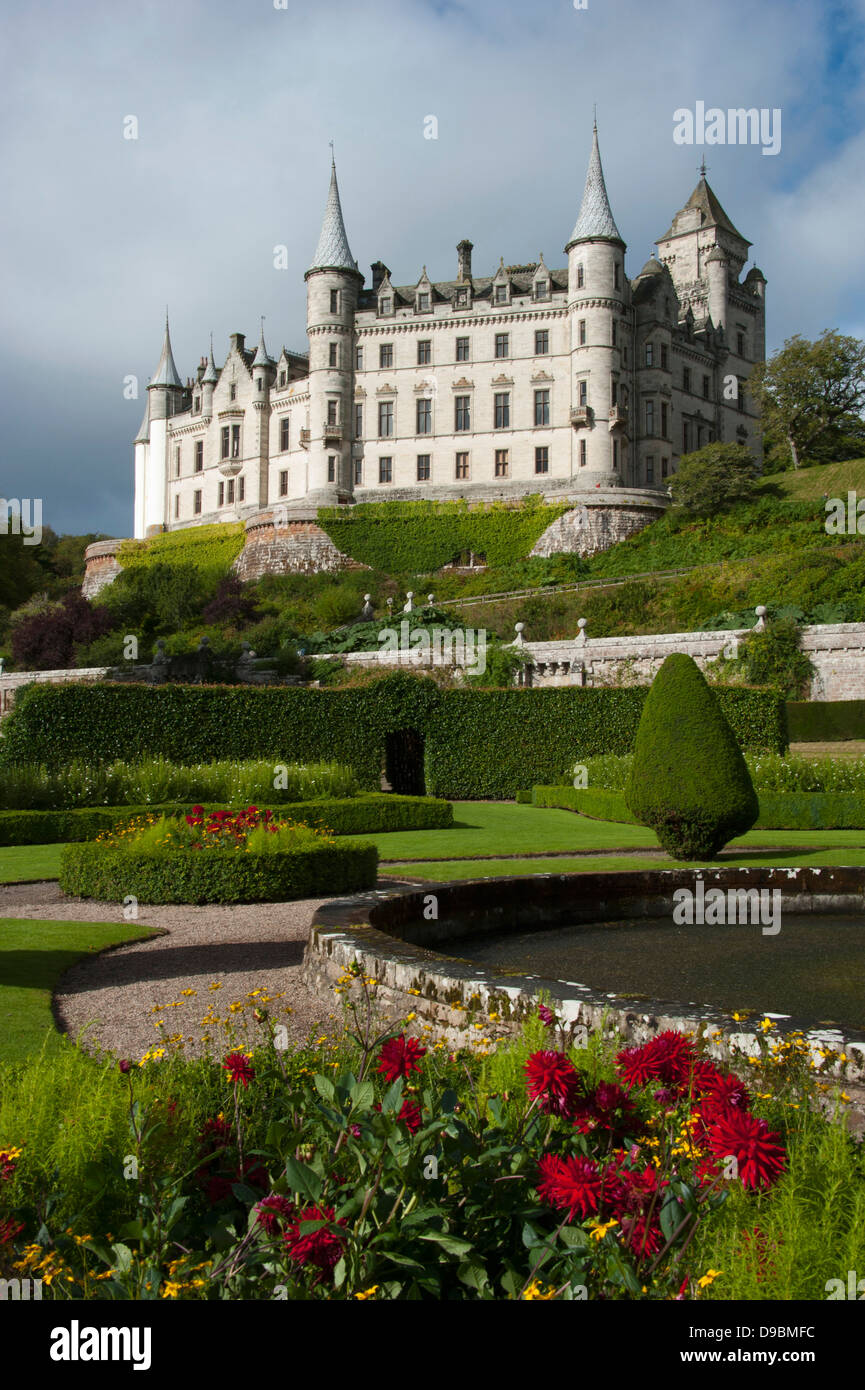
[369,814]
[594,802]
[478,743]
[112,873]
[419,537]
[826,721]
[778,810]
[209,549]
[807,389]
[689,780]
[772,657]
[712,478]
[152,598]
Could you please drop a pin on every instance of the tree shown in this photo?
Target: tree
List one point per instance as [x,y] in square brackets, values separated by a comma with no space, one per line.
[808,389]
[688,778]
[714,477]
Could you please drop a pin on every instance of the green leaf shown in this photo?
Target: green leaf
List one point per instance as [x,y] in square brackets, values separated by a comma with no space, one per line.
[122,1257]
[325,1087]
[303,1179]
[339,1273]
[574,1237]
[453,1244]
[392,1102]
[362,1095]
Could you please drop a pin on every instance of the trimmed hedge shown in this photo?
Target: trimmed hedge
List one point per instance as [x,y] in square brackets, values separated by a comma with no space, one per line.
[112,874]
[825,721]
[778,810]
[418,537]
[360,815]
[211,549]
[478,743]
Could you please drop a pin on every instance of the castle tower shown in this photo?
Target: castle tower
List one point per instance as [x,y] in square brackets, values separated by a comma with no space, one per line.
[597,301]
[208,382]
[333,283]
[165,397]
[263,377]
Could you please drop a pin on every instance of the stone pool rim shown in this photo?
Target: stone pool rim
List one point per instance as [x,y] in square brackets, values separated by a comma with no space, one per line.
[451,993]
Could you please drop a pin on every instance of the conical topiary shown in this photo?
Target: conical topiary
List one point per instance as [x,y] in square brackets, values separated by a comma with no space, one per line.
[689,780]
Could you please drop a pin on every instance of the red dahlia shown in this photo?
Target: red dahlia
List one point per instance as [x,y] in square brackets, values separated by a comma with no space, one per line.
[322,1247]
[239,1067]
[740,1134]
[554,1083]
[669,1057]
[272,1210]
[570,1183]
[400,1056]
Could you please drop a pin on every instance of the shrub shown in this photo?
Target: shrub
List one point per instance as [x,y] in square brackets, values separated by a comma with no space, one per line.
[772,657]
[47,641]
[826,721]
[689,780]
[714,477]
[111,873]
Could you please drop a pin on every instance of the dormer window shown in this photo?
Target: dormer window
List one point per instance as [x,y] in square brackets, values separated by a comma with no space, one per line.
[501,294]
[461,299]
[385,304]
[542,289]
[423,302]
[282,378]
[196,404]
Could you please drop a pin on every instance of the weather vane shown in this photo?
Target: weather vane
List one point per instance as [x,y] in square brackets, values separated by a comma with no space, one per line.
[702,169]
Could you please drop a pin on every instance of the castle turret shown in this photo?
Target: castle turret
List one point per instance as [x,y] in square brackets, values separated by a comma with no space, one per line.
[208,382]
[165,397]
[263,377]
[718,275]
[597,299]
[333,283]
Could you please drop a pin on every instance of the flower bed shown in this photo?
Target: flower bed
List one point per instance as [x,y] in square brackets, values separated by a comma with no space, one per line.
[219,856]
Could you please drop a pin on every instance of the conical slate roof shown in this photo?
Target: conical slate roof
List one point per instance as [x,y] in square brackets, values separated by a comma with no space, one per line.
[143,434]
[262,358]
[596,218]
[333,252]
[166,371]
[210,377]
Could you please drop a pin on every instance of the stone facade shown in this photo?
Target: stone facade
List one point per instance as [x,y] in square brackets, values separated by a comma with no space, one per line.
[529,379]
[101,566]
[282,544]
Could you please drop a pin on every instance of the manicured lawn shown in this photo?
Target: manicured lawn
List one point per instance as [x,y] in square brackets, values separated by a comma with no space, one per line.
[19,863]
[33,956]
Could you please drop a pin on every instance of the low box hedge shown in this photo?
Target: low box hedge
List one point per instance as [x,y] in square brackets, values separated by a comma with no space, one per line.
[112,874]
[778,810]
[825,721]
[360,815]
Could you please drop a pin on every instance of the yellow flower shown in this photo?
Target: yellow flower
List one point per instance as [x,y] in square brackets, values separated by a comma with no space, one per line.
[767,1025]
[536,1291]
[598,1232]
[368,1293]
[709,1277]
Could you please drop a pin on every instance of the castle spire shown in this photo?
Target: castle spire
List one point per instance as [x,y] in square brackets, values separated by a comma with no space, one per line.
[262,357]
[210,377]
[596,218]
[166,371]
[332,252]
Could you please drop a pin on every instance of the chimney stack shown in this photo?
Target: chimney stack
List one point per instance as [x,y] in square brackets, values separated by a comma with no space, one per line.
[464,251]
[379,271]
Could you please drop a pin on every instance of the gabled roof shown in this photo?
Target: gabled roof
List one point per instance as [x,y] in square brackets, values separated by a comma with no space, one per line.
[595,218]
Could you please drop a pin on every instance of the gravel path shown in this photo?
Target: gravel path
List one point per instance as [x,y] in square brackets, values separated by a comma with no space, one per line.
[243,948]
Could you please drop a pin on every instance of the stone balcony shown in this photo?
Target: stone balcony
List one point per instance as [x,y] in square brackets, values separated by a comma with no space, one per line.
[581,415]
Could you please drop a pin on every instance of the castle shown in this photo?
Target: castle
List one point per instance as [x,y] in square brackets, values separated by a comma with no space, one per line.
[568,382]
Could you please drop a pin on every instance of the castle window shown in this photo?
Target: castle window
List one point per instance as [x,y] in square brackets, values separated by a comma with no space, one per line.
[241,488]
[385,355]
[462,466]
[686,436]
[462,349]
[462,413]
[176,506]
[501,465]
[230,497]
[424,417]
[226,437]
[582,453]
[740,344]
[196,404]
[614,327]
[542,459]
[461,299]
[331,468]
[542,289]
[542,342]
[663,468]
[740,396]
[664,421]
[332,406]
[686,378]
[663,357]
[385,470]
[424,352]
[259,385]
[358,472]
[282,378]
[199,455]
[233,391]
[423,302]
[385,419]
[196,504]
[650,354]
[650,468]
[581,277]
[385,305]
[501,294]
[582,332]
[502,403]
[283,433]
[177,462]
[423,468]
[235,441]
[615,453]
[358,359]
[333,360]
[334,301]
[542,407]
[617,276]
[501,345]
[283,483]
[583,392]
[705,388]
[650,418]
[221,494]
[358,420]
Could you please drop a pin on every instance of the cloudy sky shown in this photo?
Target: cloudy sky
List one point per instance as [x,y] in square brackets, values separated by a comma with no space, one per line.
[235,103]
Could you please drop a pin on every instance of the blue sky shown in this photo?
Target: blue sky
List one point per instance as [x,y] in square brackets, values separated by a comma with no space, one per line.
[236,101]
